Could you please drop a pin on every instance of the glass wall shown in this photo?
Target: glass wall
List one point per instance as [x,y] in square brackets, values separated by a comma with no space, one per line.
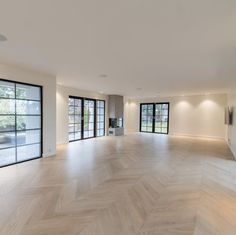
[20,122]
[154,117]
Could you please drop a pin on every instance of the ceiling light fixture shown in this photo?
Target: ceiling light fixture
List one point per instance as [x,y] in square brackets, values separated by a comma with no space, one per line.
[103,76]
[3,38]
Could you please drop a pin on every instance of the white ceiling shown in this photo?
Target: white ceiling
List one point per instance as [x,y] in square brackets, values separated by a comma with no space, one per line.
[161,46]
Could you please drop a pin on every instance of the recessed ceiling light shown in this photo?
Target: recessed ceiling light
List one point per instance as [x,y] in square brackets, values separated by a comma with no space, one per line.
[101,92]
[103,76]
[3,38]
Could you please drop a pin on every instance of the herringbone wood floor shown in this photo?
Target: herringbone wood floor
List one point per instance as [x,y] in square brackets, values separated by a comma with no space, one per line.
[138,184]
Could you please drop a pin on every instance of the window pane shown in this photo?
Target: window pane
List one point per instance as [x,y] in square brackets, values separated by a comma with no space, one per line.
[77,102]
[28,137]
[71,128]
[7,89]
[7,156]
[77,135]
[71,109]
[164,130]
[71,119]
[7,106]
[7,123]
[71,101]
[28,107]
[77,127]
[27,92]
[71,136]
[28,122]
[7,139]
[28,152]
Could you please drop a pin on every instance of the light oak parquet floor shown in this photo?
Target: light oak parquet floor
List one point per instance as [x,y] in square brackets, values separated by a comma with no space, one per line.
[142,184]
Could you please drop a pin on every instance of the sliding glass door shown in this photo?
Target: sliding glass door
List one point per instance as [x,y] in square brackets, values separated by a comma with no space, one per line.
[20,122]
[86,118]
[154,117]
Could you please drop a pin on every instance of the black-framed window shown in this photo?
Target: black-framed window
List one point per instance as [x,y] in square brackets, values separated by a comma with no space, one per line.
[75,119]
[20,122]
[86,118]
[154,117]
[100,118]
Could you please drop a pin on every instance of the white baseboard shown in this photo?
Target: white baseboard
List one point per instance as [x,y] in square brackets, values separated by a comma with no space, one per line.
[49,154]
[198,136]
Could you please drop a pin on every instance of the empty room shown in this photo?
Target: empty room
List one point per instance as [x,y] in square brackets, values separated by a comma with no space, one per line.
[117,117]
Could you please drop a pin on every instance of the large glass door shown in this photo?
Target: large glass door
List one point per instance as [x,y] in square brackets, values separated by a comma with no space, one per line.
[162,118]
[89,118]
[147,113]
[154,117]
[75,118]
[100,117]
[86,118]
[20,122]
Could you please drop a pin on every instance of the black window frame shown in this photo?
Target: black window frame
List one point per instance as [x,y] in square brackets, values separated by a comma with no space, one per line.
[82,119]
[154,117]
[15,115]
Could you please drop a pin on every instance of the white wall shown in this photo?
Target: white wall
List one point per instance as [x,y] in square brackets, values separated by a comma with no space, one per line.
[199,115]
[232,129]
[63,94]
[49,100]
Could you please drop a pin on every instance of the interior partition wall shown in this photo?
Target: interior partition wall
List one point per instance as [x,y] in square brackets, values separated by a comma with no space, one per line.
[86,118]
[154,118]
[20,122]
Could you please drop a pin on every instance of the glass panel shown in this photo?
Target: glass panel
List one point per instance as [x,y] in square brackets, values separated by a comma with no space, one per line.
[71,119]
[161,119]
[71,136]
[71,101]
[28,152]
[75,118]
[78,127]
[89,116]
[71,128]
[27,92]
[28,107]
[71,110]
[7,123]
[77,135]
[7,89]
[28,122]
[18,111]
[7,156]
[28,137]
[7,106]
[77,102]
[7,139]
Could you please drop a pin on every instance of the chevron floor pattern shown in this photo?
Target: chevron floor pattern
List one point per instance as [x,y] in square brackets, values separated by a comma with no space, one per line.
[140,184]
